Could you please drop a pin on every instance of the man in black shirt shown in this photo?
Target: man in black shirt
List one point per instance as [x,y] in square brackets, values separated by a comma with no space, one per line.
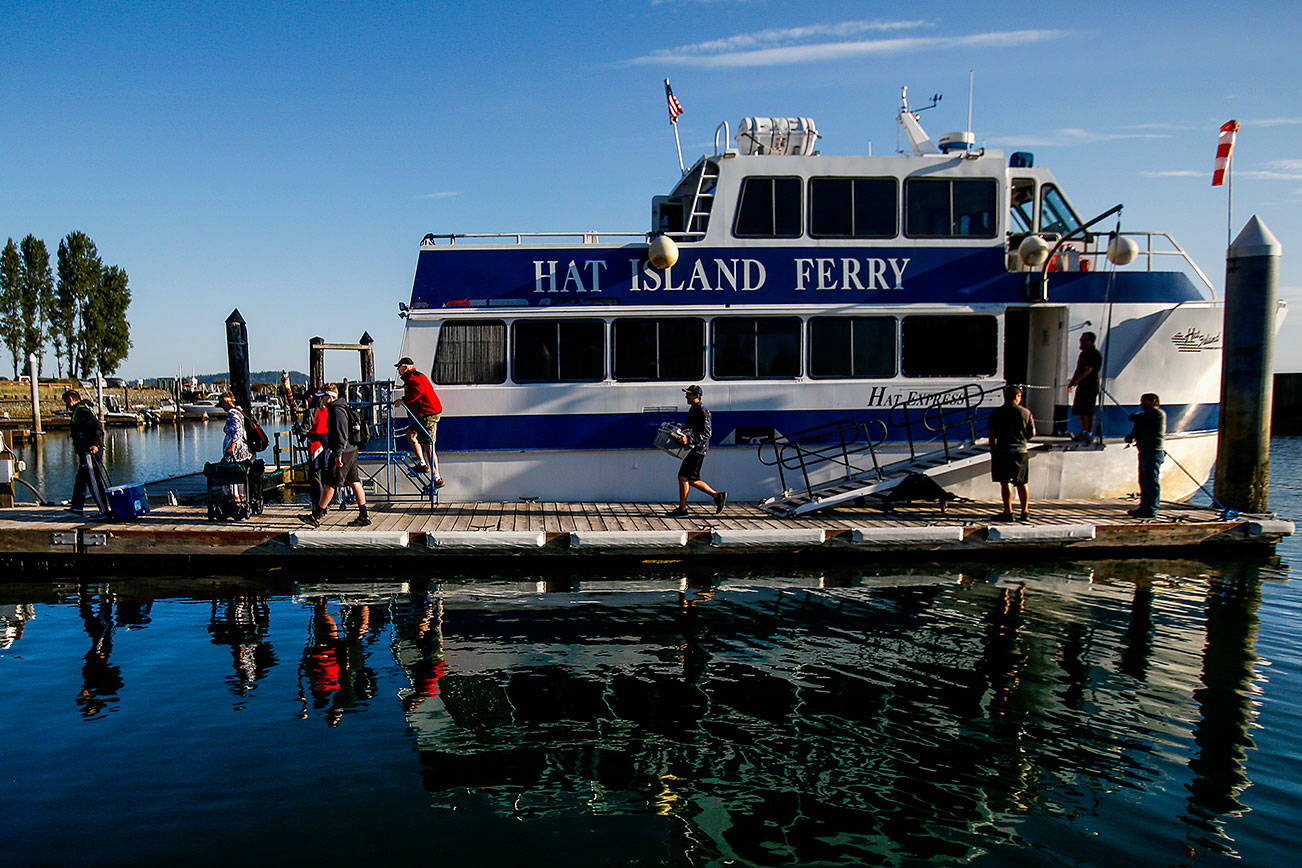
[1086,383]
[1010,429]
[88,443]
[696,434]
[341,463]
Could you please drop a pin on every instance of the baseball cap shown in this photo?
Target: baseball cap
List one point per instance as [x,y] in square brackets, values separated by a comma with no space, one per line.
[693,390]
[405,360]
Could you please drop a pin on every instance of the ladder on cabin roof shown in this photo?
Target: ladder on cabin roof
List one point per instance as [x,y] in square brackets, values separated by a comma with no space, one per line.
[847,451]
[703,199]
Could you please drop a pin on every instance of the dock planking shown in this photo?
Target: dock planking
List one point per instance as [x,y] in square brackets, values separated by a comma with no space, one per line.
[177,535]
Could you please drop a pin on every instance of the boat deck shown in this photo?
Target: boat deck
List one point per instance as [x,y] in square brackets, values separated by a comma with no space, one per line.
[48,539]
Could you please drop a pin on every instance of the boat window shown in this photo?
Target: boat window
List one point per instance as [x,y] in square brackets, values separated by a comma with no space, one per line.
[768,208]
[949,345]
[852,207]
[767,346]
[851,346]
[1055,214]
[950,207]
[552,350]
[470,352]
[672,348]
[1021,205]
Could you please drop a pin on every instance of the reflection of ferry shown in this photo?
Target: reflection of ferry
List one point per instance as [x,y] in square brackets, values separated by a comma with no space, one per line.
[816,294]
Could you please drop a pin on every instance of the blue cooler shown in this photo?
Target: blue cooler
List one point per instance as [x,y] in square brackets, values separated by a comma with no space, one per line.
[128,501]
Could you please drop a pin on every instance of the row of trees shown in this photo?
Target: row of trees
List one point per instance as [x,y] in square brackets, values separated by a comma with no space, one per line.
[83,315]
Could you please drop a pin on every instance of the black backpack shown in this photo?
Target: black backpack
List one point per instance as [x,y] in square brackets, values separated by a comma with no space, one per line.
[359,431]
[254,436]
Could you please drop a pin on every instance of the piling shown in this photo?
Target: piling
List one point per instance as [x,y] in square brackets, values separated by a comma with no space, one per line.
[315,364]
[36,396]
[1243,450]
[237,356]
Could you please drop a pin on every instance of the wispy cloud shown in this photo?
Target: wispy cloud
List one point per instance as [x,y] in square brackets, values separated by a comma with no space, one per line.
[821,42]
[1272,122]
[447,194]
[1070,136]
[1277,173]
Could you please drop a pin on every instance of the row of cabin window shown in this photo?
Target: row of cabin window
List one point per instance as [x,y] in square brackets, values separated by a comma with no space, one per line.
[673,348]
[867,208]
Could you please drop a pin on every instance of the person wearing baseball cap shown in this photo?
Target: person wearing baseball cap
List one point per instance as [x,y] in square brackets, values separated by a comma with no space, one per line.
[423,405]
[695,433]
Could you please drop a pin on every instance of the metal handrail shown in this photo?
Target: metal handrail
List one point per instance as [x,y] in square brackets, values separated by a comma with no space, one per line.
[431,240]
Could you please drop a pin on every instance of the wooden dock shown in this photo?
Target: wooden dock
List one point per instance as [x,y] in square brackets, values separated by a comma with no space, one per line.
[45,540]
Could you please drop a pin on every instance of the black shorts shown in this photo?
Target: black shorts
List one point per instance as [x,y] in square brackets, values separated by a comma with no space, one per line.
[346,473]
[1086,399]
[690,469]
[1010,467]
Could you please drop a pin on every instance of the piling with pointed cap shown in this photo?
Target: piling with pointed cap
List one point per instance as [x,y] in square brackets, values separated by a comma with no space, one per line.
[1243,450]
[237,354]
[315,364]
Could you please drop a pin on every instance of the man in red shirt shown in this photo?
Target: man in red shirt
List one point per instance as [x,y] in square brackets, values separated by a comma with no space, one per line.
[424,407]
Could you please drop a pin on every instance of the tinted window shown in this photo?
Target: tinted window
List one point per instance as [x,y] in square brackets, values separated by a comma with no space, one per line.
[950,207]
[949,346]
[1021,205]
[768,208]
[755,347]
[852,346]
[551,350]
[852,207]
[1055,214]
[659,349]
[470,352]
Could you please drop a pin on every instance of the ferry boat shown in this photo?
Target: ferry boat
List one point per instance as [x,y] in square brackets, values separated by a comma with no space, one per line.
[849,318]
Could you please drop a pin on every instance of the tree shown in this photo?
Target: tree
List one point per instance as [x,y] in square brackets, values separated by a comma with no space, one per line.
[35,297]
[108,334]
[11,321]
[80,272]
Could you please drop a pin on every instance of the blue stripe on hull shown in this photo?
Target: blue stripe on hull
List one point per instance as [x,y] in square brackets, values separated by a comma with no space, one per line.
[637,430]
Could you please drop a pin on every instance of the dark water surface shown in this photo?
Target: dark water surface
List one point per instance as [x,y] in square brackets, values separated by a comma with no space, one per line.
[1124,712]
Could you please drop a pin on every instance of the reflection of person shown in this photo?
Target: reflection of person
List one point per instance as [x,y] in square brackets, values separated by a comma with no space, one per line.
[1148,433]
[1086,383]
[1010,429]
[243,624]
[419,649]
[341,465]
[423,404]
[88,443]
[696,433]
[100,682]
[234,447]
[13,616]
[336,665]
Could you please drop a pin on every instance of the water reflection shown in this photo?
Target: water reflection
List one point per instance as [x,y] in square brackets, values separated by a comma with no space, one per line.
[845,717]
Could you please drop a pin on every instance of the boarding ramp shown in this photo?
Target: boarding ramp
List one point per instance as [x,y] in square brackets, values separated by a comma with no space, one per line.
[940,431]
[384,462]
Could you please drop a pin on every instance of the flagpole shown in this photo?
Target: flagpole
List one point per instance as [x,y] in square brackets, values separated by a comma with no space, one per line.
[681,166]
[1229,202]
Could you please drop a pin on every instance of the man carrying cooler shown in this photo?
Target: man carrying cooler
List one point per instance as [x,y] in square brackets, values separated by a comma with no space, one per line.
[423,406]
[696,433]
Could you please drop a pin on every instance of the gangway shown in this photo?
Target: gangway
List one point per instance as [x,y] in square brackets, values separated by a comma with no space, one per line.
[386,470]
[940,430]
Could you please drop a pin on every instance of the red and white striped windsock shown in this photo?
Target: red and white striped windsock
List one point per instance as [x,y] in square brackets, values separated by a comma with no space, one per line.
[1224,147]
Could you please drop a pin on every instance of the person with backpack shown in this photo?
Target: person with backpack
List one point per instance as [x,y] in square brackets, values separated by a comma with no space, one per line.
[423,406]
[341,460]
[235,446]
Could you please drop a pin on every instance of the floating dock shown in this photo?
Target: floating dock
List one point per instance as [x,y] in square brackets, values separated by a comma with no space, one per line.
[41,541]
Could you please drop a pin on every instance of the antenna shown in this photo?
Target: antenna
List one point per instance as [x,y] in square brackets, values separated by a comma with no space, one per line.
[970,76]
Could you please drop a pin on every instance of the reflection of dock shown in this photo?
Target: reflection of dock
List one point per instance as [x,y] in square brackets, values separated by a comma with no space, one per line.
[41,539]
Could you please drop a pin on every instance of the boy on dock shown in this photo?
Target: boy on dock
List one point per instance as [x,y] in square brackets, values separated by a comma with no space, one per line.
[341,463]
[695,433]
[1085,381]
[1148,433]
[1011,428]
[424,406]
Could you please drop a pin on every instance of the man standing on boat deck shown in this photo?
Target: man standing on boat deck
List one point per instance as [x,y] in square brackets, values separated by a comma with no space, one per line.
[341,463]
[1086,383]
[424,406]
[1010,429]
[1148,433]
[88,443]
[697,435]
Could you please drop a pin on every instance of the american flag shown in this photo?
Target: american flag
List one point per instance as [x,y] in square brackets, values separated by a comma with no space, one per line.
[675,107]
[1224,147]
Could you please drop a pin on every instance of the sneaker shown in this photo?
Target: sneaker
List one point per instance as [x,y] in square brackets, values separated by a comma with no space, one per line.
[677,512]
[1141,513]
[1004,516]
[1025,516]
[719,500]
[311,518]
[438,482]
[360,521]
[420,468]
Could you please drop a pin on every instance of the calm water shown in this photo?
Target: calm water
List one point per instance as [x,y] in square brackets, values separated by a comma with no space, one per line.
[1138,712]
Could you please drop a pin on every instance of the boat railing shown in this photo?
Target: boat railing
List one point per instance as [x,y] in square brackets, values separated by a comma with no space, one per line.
[942,421]
[432,240]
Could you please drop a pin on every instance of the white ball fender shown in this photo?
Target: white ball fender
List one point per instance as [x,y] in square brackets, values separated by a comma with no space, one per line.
[1122,250]
[1033,250]
[662,252]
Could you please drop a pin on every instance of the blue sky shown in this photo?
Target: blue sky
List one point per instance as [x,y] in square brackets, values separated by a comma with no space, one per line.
[287,158]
